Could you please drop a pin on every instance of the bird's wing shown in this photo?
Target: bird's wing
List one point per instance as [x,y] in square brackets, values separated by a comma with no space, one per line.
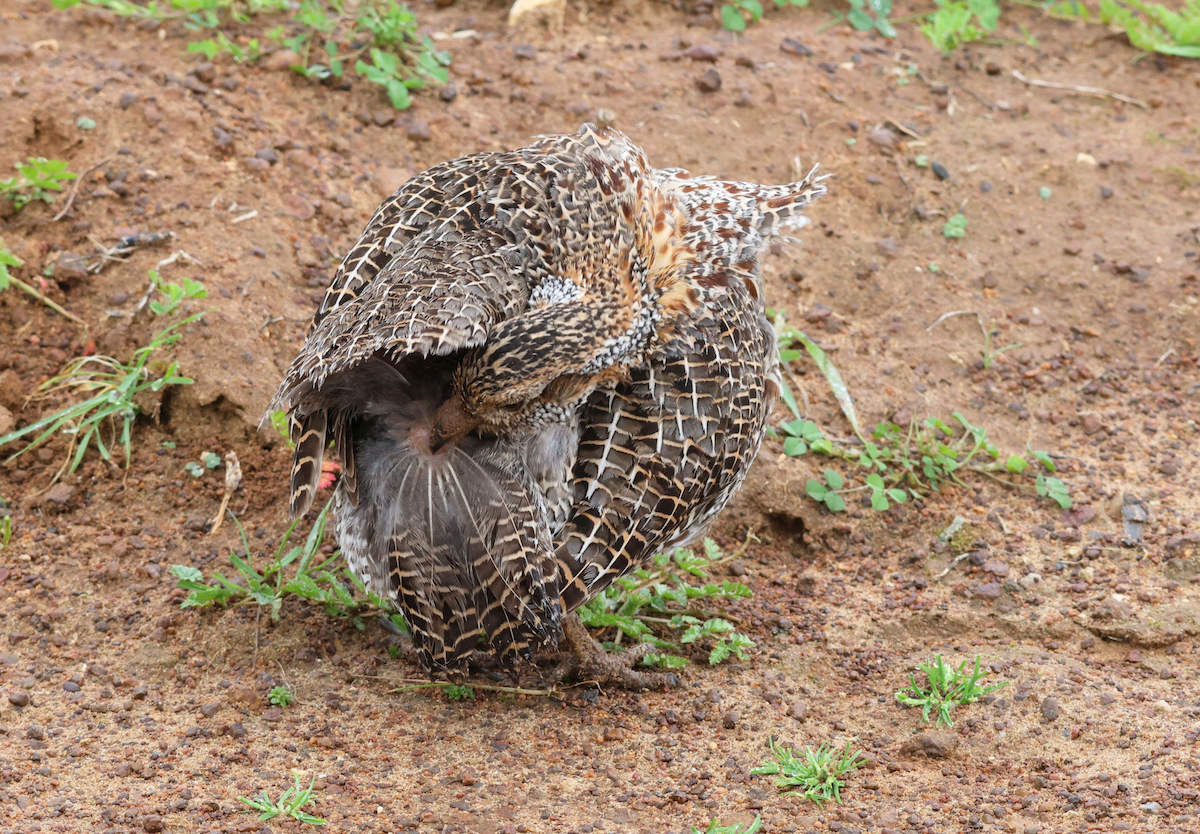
[659,455]
[434,297]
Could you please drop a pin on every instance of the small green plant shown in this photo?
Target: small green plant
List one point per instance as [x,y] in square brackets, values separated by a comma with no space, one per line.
[956,226]
[114,387]
[34,181]
[817,773]
[327,35]
[313,579]
[281,696]
[865,15]
[458,692]
[715,827]
[222,45]
[397,78]
[290,804]
[901,462]
[735,12]
[661,597]
[946,688]
[208,461]
[6,528]
[1155,28]
[176,294]
[955,23]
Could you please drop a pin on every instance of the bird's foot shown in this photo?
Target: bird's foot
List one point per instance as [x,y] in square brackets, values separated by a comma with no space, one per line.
[589,661]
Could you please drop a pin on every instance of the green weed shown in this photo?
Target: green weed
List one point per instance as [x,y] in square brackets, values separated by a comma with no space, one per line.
[955,23]
[222,45]
[661,598]
[290,804]
[6,528]
[379,38]
[34,180]
[945,689]
[281,696]
[900,462]
[817,774]
[715,827]
[175,294]
[312,579]
[398,78]
[956,226]
[114,387]
[865,15]
[1156,28]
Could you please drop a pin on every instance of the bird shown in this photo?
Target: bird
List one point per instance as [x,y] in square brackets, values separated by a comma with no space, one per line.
[538,368]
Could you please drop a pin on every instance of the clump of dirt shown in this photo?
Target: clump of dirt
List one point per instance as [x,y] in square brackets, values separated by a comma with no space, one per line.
[120,711]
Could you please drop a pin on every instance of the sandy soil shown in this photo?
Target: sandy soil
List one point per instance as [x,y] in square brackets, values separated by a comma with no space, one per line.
[121,712]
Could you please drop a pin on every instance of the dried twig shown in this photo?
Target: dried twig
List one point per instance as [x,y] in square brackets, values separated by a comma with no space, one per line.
[950,566]
[1076,88]
[233,479]
[75,189]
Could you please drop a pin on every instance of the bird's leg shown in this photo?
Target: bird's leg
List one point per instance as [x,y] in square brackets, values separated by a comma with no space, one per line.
[592,662]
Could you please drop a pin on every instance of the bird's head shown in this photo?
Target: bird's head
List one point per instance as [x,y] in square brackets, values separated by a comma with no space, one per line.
[505,387]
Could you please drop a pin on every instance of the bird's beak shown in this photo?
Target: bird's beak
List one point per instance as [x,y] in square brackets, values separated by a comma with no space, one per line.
[452,422]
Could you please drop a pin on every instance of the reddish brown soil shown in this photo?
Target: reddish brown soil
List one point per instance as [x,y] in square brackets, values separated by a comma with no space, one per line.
[120,712]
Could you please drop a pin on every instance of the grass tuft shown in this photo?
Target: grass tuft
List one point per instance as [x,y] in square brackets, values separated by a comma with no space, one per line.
[663,598]
[289,804]
[715,827]
[816,774]
[313,579]
[114,387]
[902,462]
[946,688]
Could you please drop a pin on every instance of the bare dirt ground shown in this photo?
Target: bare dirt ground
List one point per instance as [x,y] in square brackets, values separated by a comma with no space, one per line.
[120,712]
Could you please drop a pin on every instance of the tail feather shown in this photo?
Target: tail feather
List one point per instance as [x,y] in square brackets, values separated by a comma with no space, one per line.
[308,435]
[460,536]
[344,443]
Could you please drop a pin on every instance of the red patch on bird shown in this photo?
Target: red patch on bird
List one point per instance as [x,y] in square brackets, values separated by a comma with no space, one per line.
[329,470]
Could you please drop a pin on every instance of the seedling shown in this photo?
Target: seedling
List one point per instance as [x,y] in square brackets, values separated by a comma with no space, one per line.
[290,804]
[281,696]
[901,462]
[34,180]
[398,78]
[956,226]
[865,15]
[816,774]
[715,827]
[1156,28]
[735,13]
[946,688]
[115,387]
[222,45]
[315,580]
[955,23]
[661,598]
[176,294]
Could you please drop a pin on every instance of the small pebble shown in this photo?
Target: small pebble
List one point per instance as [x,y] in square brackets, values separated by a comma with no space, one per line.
[730,720]
[710,82]
[1050,709]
